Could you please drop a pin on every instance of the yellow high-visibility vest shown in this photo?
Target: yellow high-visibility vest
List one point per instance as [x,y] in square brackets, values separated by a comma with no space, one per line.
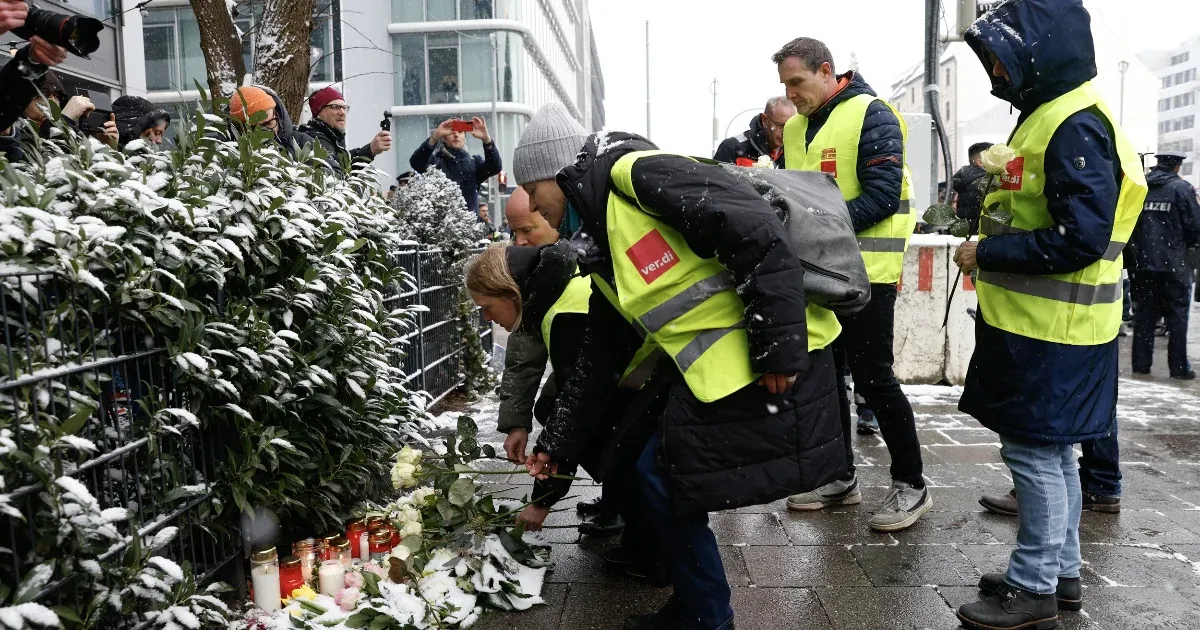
[685,304]
[1081,308]
[834,150]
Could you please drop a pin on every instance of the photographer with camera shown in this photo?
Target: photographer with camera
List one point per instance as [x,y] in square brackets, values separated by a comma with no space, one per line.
[446,150]
[328,127]
[50,35]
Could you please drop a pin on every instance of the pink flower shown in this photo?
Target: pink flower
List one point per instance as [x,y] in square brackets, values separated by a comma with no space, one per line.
[375,568]
[354,580]
[347,599]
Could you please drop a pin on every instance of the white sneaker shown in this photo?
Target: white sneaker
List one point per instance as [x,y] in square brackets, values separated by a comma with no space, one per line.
[903,507]
[836,493]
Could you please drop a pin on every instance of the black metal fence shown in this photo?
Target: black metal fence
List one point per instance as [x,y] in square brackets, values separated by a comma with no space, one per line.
[433,361]
[73,377]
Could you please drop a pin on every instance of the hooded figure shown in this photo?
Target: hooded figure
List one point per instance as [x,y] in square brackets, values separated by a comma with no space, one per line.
[136,115]
[1044,372]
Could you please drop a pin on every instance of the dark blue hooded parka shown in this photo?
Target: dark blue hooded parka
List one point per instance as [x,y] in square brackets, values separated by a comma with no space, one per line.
[1017,386]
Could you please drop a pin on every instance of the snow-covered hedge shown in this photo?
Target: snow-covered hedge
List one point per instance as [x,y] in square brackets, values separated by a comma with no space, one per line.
[435,214]
[265,279]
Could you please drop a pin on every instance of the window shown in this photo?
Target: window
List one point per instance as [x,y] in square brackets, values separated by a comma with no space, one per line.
[476,67]
[1178,59]
[1188,122]
[947,76]
[97,8]
[1185,146]
[1164,126]
[1183,100]
[412,69]
[442,55]
[1187,169]
[175,60]
[1166,81]
[1164,104]
[440,10]
[475,10]
[1182,77]
[946,110]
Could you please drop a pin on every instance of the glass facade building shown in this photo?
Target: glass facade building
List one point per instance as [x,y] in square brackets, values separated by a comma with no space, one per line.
[454,57]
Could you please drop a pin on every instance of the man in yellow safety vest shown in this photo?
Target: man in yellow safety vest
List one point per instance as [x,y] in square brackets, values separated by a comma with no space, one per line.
[842,128]
[1049,259]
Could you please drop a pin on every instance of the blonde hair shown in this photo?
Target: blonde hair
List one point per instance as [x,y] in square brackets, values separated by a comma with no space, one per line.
[488,275]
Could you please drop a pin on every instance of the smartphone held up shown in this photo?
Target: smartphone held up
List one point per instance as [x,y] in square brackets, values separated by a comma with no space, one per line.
[464,126]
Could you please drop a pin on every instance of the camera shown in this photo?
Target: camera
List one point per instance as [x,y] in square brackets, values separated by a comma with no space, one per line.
[76,33]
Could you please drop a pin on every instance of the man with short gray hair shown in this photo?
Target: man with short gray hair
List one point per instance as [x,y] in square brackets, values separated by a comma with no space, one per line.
[764,137]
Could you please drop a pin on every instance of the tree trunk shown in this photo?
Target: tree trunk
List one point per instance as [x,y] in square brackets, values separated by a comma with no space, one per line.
[282,50]
[221,45]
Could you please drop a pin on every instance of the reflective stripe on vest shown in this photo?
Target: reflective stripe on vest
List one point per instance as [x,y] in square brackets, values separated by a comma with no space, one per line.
[1079,308]
[685,304]
[574,299]
[834,150]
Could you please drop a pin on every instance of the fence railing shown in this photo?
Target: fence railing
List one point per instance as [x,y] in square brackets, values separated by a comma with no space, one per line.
[71,369]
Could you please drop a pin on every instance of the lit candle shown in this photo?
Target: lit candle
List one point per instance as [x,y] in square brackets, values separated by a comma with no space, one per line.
[264,578]
[332,576]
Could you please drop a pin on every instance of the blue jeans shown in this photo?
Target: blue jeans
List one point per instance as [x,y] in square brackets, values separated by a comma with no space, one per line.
[1049,501]
[687,550]
[1100,466]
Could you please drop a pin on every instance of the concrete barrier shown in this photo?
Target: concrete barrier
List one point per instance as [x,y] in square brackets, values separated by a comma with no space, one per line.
[925,350]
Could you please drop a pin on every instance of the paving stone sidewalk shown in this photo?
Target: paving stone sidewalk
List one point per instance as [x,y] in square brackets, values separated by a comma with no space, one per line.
[828,570]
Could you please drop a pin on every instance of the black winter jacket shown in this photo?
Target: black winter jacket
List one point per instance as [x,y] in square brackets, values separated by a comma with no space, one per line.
[968,185]
[1168,226]
[750,447]
[334,143]
[880,154]
[750,144]
[470,171]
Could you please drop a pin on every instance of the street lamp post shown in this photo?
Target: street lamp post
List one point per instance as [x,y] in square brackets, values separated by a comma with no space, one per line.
[735,117]
[1122,67]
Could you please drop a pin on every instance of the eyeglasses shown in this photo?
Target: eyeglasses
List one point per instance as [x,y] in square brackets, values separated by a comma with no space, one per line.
[272,124]
[338,108]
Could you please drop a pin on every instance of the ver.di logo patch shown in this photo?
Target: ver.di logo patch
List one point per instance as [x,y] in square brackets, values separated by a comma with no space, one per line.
[1013,175]
[829,161]
[652,256]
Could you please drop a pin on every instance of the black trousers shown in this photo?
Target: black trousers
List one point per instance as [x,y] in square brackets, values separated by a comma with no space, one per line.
[1160,294]
[865,346]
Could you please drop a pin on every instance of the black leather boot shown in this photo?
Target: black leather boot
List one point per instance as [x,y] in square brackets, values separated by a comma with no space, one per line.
[1069,592]
[591,508]
[1011,608]
[609,523]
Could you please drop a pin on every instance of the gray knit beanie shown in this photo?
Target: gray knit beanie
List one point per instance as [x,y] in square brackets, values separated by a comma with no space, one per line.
[550,143]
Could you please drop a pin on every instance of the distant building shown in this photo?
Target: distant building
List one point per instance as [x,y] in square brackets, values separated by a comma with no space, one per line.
[1179,103]
[971,114]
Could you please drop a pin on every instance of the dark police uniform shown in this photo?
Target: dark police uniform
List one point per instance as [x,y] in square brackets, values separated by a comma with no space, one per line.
[1162,276]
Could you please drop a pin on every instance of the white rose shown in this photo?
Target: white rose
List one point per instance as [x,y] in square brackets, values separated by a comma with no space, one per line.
[401,553]
[411,528]
[409,455]
[996,158]
[402,475]
[422,496]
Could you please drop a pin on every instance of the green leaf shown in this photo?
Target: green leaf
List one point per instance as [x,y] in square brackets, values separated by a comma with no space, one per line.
[35,580]
[381,622]
[413,543]
[76,421]
[489,450]
[370,584]
[360,618]
[939,214]
[960,228]
[461,492]
[467,427]
[446,510]
[67,614]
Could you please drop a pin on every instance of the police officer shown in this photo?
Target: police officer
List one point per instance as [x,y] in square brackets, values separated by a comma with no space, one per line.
[845,130]
[1162,277]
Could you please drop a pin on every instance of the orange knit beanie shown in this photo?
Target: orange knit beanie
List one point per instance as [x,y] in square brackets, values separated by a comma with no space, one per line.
[256,100]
